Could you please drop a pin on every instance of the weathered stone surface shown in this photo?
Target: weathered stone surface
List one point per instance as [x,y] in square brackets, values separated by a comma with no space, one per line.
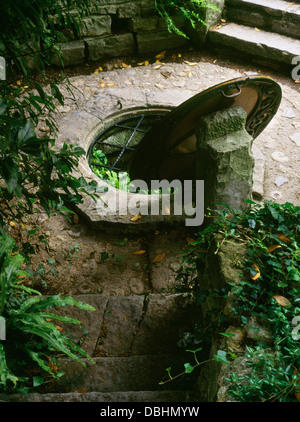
[72,53]
[261,44]
[129,10]
[111,46]
[96,26]
[278,15]
[98,397]
[166,319]
[157,41]
[120,325]
[139,24]
[224,158]
[107,373]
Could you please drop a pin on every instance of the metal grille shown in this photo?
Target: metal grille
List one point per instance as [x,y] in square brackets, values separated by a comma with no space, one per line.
[130,131]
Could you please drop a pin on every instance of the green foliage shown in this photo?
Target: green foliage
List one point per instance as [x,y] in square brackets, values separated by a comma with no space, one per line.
[31,29]
[191,10]
[32,170]
[30,332]
[268,289]
[34,174]
[110,176]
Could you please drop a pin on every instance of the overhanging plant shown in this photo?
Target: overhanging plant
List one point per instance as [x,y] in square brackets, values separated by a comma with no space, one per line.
[30,333]
[192,10]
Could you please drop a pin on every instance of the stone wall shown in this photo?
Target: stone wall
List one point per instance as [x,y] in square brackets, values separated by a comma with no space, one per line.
[117,28]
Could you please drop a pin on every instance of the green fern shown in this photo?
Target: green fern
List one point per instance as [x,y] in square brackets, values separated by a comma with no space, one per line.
[29,332]
[192,11]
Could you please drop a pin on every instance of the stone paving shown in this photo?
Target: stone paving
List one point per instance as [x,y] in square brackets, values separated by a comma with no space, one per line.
[276,149]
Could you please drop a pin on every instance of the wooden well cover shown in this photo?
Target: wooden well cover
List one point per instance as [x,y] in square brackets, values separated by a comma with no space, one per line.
[168,150]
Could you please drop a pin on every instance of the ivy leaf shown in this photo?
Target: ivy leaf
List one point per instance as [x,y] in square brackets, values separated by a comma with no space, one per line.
[188,368]
[221,357]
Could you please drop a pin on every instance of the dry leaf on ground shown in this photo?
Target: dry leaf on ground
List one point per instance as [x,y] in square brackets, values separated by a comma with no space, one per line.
[159,257]
[136,217]
[257,275]
[273,247]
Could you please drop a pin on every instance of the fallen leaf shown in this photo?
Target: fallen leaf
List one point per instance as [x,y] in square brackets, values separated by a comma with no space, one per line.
[102,84]
[111,84]
[297,81]
[190,240]
[284,238]
[161,54]
[190,74]
[136,217]
[256,29]
[139,252]
[190,63]
[157,67]
[81,390]
[100,68]
[48,319]
[223,20]
[12,223]
[126,65]
[257,275]
[59,328]
[273,247]
[159,257]
[167,210]
[179,55]
[96,71]
[145,63]
[283,301]
[75,219]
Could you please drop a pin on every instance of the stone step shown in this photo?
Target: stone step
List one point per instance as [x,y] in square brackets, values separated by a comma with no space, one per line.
[131,325]
[277,16]
[111,374]
[96,397]
[255,43]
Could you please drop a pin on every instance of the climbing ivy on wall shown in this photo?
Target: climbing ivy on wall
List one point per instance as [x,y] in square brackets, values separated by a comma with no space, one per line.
[192,10]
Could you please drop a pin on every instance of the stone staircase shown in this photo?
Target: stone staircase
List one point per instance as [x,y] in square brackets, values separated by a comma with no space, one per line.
[132,341]
[263,31]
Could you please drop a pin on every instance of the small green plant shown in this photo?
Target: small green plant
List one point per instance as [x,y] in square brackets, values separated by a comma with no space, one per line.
[31,333]
[111,176]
